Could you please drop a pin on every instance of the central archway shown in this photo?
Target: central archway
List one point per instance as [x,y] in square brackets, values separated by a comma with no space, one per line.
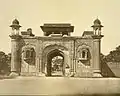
[50,53]
[55,63]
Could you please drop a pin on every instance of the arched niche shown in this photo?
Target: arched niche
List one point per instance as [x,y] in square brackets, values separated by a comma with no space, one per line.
[29,54]
[84,54]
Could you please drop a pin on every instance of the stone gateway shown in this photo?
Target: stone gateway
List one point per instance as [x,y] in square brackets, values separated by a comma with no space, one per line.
[57,53]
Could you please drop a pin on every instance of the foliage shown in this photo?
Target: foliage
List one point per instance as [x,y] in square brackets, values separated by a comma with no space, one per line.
[114,56]
[103,59]
[4,62]
[57,63]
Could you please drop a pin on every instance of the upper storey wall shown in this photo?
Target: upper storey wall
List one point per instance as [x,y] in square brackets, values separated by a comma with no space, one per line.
[71,43]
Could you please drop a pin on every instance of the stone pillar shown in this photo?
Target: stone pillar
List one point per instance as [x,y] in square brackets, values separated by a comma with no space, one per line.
[96,56]
[65,62]
[15,55]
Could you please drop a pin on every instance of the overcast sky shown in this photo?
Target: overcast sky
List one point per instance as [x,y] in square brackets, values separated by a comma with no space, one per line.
[80,13]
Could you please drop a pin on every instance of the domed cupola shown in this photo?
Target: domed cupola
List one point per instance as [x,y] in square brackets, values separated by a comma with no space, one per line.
[97,22]
[15,24]
[97,27]
[15,21]
[15,27]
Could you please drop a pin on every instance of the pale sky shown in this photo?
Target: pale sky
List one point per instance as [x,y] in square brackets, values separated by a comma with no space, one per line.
[80,13]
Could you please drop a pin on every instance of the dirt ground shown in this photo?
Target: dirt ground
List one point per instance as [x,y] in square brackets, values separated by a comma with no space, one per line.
[59,86]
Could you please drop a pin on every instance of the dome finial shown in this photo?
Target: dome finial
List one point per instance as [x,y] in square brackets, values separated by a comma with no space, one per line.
[15,24]
[97,21]
[15,21]
[97,17]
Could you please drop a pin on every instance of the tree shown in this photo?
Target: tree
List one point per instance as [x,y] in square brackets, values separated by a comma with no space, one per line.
[114,55]
[4,63]
[103,58]
[57,63]
[9,61]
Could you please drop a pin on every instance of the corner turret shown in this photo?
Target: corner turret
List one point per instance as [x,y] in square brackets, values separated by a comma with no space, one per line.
[97,27]
[15,27]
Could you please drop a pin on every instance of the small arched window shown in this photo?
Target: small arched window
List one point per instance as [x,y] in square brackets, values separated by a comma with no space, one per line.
[29,55]
[84,54]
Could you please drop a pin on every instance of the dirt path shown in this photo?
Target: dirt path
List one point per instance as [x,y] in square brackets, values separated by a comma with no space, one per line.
[59,85]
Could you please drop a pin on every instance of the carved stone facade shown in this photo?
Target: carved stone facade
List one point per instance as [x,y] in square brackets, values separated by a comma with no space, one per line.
[32,55]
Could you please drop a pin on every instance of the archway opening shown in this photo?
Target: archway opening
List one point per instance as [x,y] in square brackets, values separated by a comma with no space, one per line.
[55,63]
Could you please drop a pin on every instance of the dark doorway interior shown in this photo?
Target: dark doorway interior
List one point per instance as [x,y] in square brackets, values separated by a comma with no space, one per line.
[55,63]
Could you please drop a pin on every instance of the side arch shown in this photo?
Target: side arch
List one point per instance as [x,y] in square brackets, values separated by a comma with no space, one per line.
[84,54]
[28,54]
[28,58]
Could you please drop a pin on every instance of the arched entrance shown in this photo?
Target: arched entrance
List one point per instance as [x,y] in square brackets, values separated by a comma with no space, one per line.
[55,63]
[53,54]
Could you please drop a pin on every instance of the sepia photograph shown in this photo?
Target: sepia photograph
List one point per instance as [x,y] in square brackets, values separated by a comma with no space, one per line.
[60,47]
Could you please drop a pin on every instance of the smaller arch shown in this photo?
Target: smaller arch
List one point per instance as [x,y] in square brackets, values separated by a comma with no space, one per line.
[83,54]
[29,54]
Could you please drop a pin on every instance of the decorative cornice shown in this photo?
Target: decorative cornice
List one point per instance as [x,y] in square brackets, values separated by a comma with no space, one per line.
[97,36]
[17,37]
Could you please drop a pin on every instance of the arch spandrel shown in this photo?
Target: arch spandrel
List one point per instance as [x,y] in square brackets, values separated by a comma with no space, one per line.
[28,46]
[49,48]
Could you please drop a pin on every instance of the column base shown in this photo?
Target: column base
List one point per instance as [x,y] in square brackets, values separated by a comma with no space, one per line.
[41,74]
[14,74]
[72,74]
[97,73]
